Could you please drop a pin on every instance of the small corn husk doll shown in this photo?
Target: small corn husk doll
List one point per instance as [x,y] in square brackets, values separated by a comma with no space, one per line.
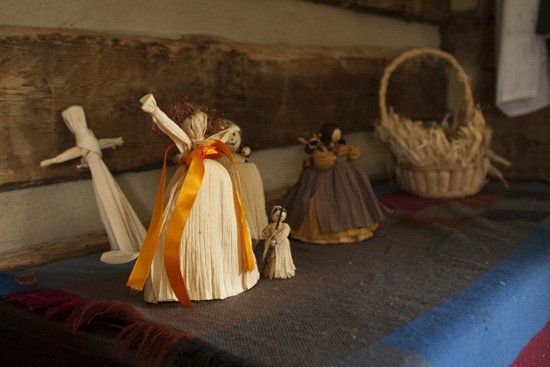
[333,201]
[198,245]
[123,227]
[277,257]
[253,188]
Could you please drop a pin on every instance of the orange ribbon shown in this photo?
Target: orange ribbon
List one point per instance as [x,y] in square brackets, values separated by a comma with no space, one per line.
[180,214]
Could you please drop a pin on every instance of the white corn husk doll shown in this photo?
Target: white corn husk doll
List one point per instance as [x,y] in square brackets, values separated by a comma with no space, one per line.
[123,227]
[277,257]
[253,187]
[198,244]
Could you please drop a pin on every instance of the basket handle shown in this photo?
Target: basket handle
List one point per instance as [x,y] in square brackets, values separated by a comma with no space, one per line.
[462,76]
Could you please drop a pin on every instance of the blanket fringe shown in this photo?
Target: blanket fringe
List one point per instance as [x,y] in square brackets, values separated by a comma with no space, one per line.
[94,312]
[50,301]
[152,341]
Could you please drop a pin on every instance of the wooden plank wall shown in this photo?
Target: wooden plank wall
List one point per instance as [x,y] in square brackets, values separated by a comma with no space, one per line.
[432,11]
[274,93]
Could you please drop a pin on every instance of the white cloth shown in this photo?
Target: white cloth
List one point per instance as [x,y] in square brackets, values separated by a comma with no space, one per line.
[523,82]
[124,229]
[211,261]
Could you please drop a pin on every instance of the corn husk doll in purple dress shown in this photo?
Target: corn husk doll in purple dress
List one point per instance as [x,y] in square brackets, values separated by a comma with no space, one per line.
[333,201]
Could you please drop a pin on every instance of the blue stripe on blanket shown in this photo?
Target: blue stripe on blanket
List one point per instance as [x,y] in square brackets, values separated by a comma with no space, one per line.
[489,322]
[8,285]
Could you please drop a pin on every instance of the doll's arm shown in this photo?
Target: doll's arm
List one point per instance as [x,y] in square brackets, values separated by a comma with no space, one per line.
[266,232]
[110,143]
[246,152]
[165,123]
[67,155]
[282,233]
[353,153]
[176,159]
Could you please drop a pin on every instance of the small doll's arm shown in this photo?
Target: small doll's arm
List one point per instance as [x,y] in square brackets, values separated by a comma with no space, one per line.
[110,143]
[354,153]
[246,152]
[266,232]
[67,155]
[176,159]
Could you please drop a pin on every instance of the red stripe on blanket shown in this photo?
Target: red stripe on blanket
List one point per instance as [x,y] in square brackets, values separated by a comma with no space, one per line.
[483,200]
[415,221]
[406,202]
[537,352]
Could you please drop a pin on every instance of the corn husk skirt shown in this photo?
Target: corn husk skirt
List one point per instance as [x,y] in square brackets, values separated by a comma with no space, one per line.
[210,246]
[333,206]
[254,198]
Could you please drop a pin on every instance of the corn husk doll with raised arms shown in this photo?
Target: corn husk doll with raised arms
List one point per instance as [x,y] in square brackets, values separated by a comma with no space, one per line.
[198,245]
[333,201]
[253,187]
[277,257]
[123,227]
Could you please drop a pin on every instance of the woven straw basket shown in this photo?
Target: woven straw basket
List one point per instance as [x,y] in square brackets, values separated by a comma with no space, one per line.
[438,160]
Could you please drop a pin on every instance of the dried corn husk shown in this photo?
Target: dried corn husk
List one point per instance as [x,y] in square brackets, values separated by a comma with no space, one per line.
[323,160]
[123,227]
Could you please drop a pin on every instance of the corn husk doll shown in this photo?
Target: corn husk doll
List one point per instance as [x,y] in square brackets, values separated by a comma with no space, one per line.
[277,257]
[253,187]
[198,245]
[123,227]
[333,201]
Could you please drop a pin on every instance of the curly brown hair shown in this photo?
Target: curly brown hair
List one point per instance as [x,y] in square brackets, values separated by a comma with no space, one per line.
[182,109]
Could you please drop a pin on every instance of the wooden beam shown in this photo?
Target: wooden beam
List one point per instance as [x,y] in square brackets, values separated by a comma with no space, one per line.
[274,93]
[56,251]
[431,11]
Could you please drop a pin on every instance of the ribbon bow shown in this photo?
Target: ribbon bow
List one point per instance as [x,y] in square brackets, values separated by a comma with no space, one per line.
[180,214]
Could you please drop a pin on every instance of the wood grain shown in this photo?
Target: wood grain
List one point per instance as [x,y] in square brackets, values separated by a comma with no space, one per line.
[274,93]
[57,251]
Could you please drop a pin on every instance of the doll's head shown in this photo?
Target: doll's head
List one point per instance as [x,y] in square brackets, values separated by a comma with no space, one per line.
[278,211]
[331,134]
[195,126]
[195,120]
[233,141]
[313,143]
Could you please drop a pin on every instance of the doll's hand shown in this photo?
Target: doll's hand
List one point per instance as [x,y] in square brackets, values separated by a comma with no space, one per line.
[177,158]
[266,232]
[148,103]
[246,151]
[354,153]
